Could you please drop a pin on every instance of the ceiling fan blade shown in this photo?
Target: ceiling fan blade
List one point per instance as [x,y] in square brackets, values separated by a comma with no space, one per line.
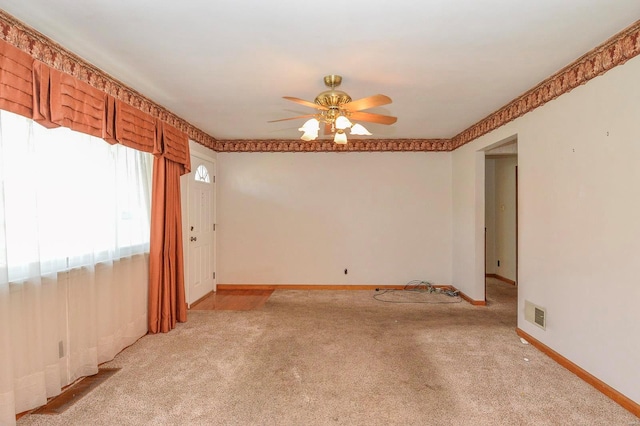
[373,118]
[366,103]
[305,103]
[292,118]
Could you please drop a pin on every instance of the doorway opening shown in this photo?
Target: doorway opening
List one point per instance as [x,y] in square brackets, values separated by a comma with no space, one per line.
[501,223]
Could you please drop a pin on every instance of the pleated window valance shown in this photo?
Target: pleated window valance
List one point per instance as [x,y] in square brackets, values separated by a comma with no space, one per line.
[77,105]
[16,80]
[42,95]
[175,146]
[52,98]
[135,129]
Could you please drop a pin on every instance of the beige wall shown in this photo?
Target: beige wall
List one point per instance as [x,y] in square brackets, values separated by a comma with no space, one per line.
[579,204]
[201,151]
[302,218]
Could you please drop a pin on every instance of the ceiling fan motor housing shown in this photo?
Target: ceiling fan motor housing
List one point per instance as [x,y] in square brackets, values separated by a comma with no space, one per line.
[332,99]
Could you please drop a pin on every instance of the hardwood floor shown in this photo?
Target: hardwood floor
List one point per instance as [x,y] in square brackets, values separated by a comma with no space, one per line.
[233,300]
[74,392]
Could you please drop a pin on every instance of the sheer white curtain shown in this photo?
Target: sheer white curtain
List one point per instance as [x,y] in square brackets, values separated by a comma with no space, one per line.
[74,239]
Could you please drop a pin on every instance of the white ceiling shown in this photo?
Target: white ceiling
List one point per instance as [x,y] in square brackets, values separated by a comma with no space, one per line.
[224,65]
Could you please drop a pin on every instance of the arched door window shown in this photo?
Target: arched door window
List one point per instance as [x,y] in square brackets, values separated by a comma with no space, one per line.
[202,174]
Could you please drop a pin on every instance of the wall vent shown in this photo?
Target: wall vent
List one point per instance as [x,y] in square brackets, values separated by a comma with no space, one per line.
[535,314]
[539,317]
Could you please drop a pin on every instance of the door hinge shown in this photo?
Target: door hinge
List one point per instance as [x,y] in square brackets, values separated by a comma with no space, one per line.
[214,275]
[214,226]
[214,178]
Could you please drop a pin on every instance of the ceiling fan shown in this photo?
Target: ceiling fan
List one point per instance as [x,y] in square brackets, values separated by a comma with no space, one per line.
[336,109]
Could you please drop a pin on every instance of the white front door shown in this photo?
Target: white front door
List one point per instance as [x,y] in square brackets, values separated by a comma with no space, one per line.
[201,229]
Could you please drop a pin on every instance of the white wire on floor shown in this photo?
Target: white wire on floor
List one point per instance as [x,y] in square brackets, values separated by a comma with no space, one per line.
[418,291]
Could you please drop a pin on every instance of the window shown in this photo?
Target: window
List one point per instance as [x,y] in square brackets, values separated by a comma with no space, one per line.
[202,174]
[68,199]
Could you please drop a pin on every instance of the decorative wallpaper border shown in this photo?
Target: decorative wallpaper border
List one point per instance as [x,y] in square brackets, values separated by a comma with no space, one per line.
[613,52]
[327,145]
[47,51]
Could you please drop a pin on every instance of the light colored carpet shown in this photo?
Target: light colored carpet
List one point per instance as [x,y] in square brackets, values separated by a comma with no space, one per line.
[342,358]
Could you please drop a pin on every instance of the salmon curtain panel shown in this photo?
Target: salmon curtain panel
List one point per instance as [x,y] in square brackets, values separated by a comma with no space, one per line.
[52,98]
[167,302]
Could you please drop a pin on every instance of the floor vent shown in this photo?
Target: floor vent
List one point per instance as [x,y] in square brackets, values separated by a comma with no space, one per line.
[535,314]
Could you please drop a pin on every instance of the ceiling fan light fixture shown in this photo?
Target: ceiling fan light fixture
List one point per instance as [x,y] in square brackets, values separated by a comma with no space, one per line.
[342,122]
[340,138]
[311,126]
[360,130]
